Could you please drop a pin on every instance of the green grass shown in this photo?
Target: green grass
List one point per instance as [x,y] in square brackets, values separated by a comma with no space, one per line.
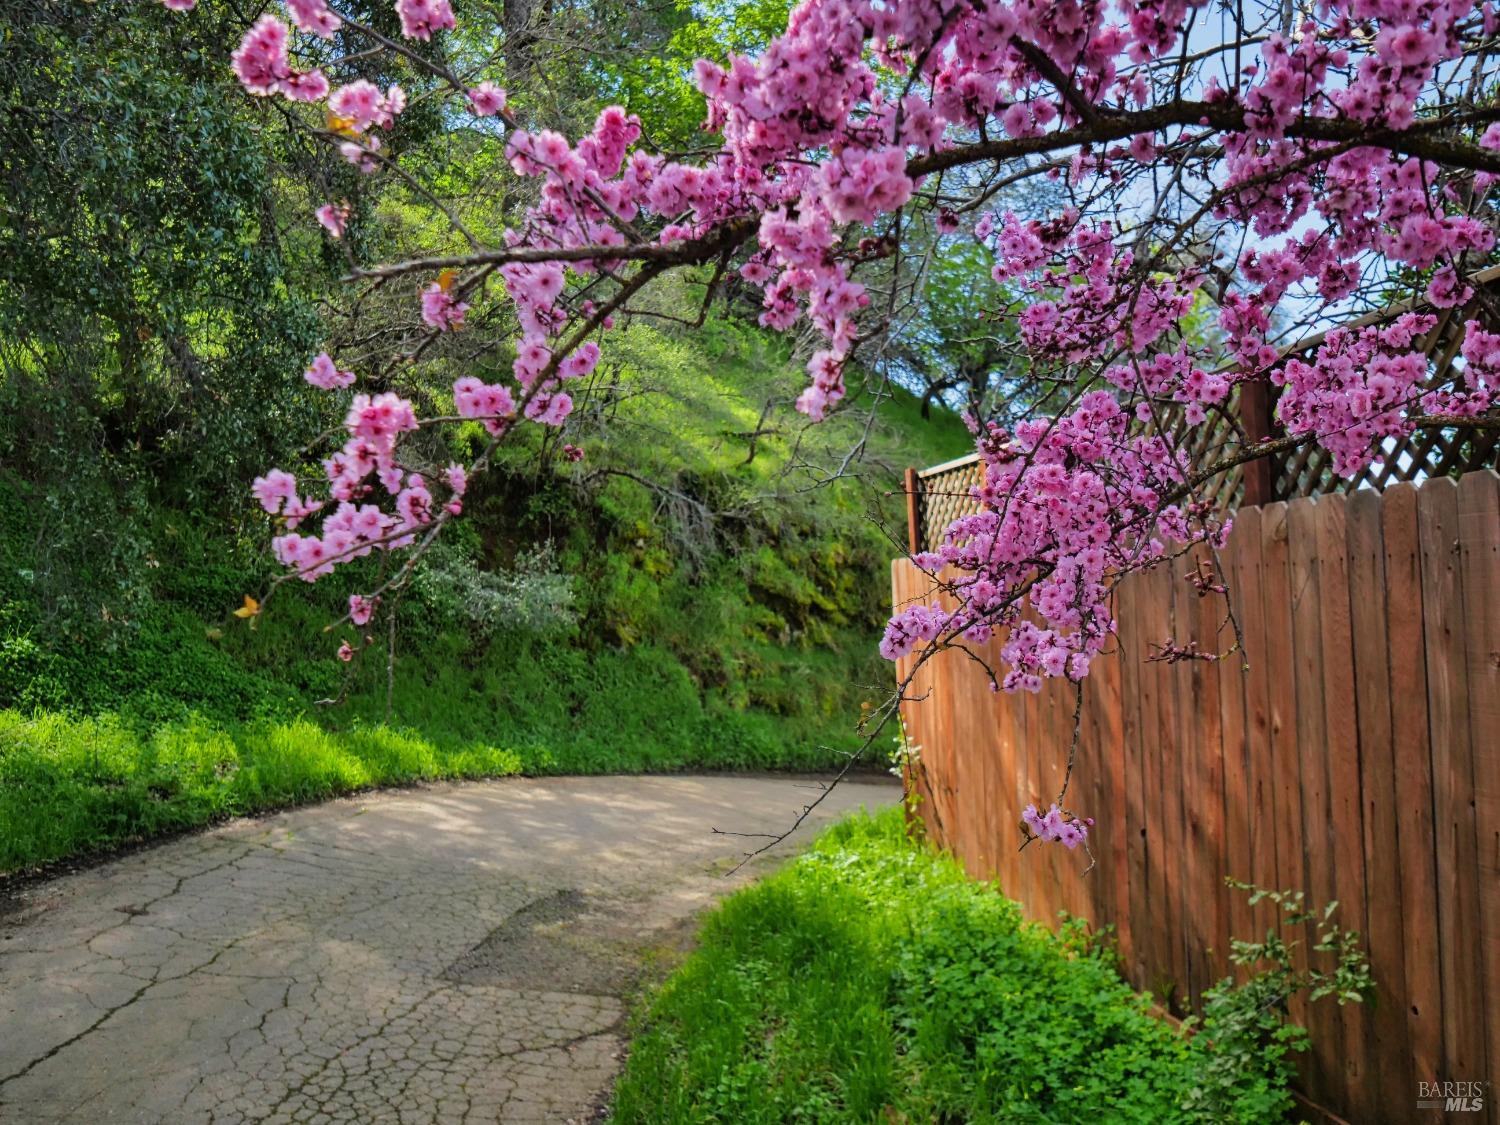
[870,980]
[74,786]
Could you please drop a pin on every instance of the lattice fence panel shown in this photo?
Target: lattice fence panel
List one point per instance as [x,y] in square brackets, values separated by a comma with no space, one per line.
[1306,470]
[944,490]
[1424,455]
[945,496]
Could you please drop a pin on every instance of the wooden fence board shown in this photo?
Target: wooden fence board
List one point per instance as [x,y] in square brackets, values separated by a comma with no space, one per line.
[1246,599]
[1303,517]
[1154,610]
[1136,928]
[1415,830]
[1385,1034]
[1453,778]
[1172,785]
[1345,826]
[1110,815]
[1207,953]
[1351,751]
[1276,603]
[1479,536]
[1238,797]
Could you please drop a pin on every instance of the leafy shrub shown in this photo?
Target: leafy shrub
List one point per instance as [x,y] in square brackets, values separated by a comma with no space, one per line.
[532,596]
[1244,1025]
[870,980]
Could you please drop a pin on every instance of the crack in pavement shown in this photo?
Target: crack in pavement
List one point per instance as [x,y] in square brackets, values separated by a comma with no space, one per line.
[110,1011]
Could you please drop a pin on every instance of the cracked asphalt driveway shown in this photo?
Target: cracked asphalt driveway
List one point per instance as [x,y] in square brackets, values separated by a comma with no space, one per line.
[445,954]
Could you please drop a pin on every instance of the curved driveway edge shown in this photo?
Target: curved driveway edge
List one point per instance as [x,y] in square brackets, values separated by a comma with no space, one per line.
[447,954]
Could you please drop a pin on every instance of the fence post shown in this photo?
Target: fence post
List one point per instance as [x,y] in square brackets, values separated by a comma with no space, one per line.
[1258,422]
[913,512]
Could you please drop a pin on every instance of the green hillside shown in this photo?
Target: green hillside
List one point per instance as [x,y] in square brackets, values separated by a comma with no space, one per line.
[671,601]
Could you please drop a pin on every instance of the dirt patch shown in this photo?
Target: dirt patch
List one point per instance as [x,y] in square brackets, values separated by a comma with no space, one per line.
[578,942]
[559,939]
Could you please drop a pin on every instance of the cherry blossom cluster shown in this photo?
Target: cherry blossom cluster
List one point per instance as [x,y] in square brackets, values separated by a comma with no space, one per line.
[263,65]
[815,88]
[1068,505]
[357,477]
[334,218]
[1313,149]
[1054,825]
[1090,299]
[1356,388]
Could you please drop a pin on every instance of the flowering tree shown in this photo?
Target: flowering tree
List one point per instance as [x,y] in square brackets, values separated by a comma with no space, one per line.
[1265,171]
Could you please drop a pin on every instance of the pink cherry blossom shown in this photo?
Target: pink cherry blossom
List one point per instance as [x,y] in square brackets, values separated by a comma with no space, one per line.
[581,362]
[263,66]
[380,420]
[334,217]
[314,16]
[361,153]
[486,99]
[361,105]
[827,387]
[260,62]
[549,409]
[361,609]
[441,310]
[324,374]
[491,402]
[274,489]
[420,18]
[1054,825]
[414,503]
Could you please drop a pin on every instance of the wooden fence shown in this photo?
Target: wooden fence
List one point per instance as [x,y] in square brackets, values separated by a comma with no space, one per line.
[1358,759]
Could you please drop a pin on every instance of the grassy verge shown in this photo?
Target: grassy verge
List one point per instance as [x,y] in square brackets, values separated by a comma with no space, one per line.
[872,981]
[72,786]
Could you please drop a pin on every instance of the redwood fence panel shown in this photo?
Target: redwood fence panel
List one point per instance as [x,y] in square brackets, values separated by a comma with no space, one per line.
[1353,754]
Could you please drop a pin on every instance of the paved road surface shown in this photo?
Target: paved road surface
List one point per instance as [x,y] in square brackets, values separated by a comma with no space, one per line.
[456,953]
